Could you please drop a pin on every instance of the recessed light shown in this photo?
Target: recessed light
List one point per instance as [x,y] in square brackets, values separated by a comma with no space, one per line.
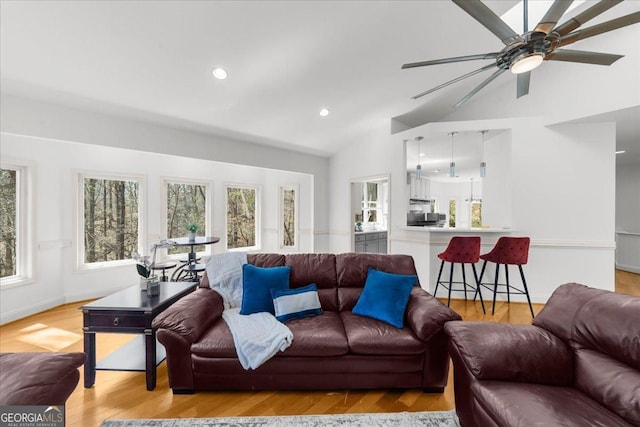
[422,154]
[621,152]
[437,171]
[219,73]
[324,112]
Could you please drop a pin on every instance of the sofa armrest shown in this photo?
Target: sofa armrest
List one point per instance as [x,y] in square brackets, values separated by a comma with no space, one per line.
[191,315]
[506,352]
[426,315]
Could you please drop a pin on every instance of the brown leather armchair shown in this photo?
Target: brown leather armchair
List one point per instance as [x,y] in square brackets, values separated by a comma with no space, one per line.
[38,378]
[578,364]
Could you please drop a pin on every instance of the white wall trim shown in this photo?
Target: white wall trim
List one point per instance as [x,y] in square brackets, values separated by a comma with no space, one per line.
[22,312]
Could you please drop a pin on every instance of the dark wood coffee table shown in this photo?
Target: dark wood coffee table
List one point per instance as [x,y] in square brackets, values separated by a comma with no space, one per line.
[129,311]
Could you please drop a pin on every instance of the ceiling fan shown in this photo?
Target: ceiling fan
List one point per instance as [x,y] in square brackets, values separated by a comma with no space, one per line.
[524,52]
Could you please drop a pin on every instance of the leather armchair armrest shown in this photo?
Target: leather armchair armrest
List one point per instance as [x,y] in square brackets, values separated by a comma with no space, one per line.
[506,352]
[191,315]
[426,315]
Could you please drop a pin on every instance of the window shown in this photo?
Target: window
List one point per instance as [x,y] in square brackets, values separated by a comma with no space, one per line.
[288,217]
[16,249]
[186,204]
[476,214]
[110,222]
[242,217]
[452,213]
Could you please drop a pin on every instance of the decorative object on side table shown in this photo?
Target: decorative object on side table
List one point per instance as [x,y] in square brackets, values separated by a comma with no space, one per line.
[151,282]
[358,226]
[192,228]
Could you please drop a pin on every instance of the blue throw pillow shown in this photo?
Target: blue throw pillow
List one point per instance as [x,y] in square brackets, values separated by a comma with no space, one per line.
[385,296]
[257,283]
[296,303]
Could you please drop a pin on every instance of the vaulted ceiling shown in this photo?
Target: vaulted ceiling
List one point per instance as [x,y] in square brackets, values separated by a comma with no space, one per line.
[286,60]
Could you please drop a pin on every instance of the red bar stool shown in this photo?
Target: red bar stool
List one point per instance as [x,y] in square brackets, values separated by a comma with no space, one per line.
[507,251]
[461,250]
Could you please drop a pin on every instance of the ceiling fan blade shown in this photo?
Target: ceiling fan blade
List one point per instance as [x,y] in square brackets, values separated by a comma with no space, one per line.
[605,27]
[481,13]
[478,88]
[492,55]
[582,18]
[523,83]
[550,19]
[582,56]
[457,79]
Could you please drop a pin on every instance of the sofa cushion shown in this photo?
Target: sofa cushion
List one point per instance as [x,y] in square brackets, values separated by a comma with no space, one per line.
[608,381]
[266,260]
[316,336]
[257,283]
[371,336]
[217,341]
[296,303]
[351,269]
[319,269]
[385,296]
[522,405]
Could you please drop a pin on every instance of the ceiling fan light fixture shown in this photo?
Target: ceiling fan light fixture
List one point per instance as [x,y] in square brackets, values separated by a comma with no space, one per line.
[526,62]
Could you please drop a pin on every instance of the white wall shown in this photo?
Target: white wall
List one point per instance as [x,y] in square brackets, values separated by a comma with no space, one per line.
[24,116]
[628,217]
[552,188]
[56,164]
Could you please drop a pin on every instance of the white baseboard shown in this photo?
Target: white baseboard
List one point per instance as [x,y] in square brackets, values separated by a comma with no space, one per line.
[22,312]
[628,268]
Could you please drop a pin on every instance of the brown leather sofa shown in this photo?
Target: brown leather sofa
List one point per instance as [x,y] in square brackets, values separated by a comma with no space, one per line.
[335,350]
[38,378]
[577,365]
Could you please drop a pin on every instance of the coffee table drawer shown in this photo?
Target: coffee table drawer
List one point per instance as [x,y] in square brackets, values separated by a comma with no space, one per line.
[115,320]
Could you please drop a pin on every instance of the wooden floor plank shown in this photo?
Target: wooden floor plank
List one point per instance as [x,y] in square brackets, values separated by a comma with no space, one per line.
[123,394]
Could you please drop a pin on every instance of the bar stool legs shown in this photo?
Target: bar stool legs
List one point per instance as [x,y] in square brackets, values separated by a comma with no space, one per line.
[464,283]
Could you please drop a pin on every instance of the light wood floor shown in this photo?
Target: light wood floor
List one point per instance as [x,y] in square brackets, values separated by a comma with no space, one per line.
[124,395]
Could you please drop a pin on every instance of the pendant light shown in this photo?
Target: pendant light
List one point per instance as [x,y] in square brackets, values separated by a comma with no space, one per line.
[419,166]
[483,164]
[452,165]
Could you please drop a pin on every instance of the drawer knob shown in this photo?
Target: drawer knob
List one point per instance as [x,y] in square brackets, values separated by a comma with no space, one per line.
[116,321]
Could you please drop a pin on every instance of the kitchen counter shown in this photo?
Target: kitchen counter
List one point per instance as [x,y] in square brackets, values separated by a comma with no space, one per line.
[369,231]
[466,230]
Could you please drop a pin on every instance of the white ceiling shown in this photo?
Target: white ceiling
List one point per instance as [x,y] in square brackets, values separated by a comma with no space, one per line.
[286,60]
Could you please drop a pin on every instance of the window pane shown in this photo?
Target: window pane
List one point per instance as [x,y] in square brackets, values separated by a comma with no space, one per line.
[110,219]
[476,214]
[289,217]
[8,215]
[186,204]
[452,213]
[241,217]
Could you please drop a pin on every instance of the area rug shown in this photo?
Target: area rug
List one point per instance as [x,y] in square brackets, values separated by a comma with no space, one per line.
[400,419]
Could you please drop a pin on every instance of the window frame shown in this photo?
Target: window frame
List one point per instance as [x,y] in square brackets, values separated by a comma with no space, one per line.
[258,216]
[208,215]
[25,223]
[79,177]
[296,215]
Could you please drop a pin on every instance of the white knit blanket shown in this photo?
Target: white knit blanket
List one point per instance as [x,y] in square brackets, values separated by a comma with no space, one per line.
[257,337]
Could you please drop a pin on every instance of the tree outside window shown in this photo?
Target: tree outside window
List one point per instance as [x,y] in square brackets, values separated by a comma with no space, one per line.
[289,215]
[186,204]
[110,219]
[476,214]
[241,217]
[8,222]
[452,213]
